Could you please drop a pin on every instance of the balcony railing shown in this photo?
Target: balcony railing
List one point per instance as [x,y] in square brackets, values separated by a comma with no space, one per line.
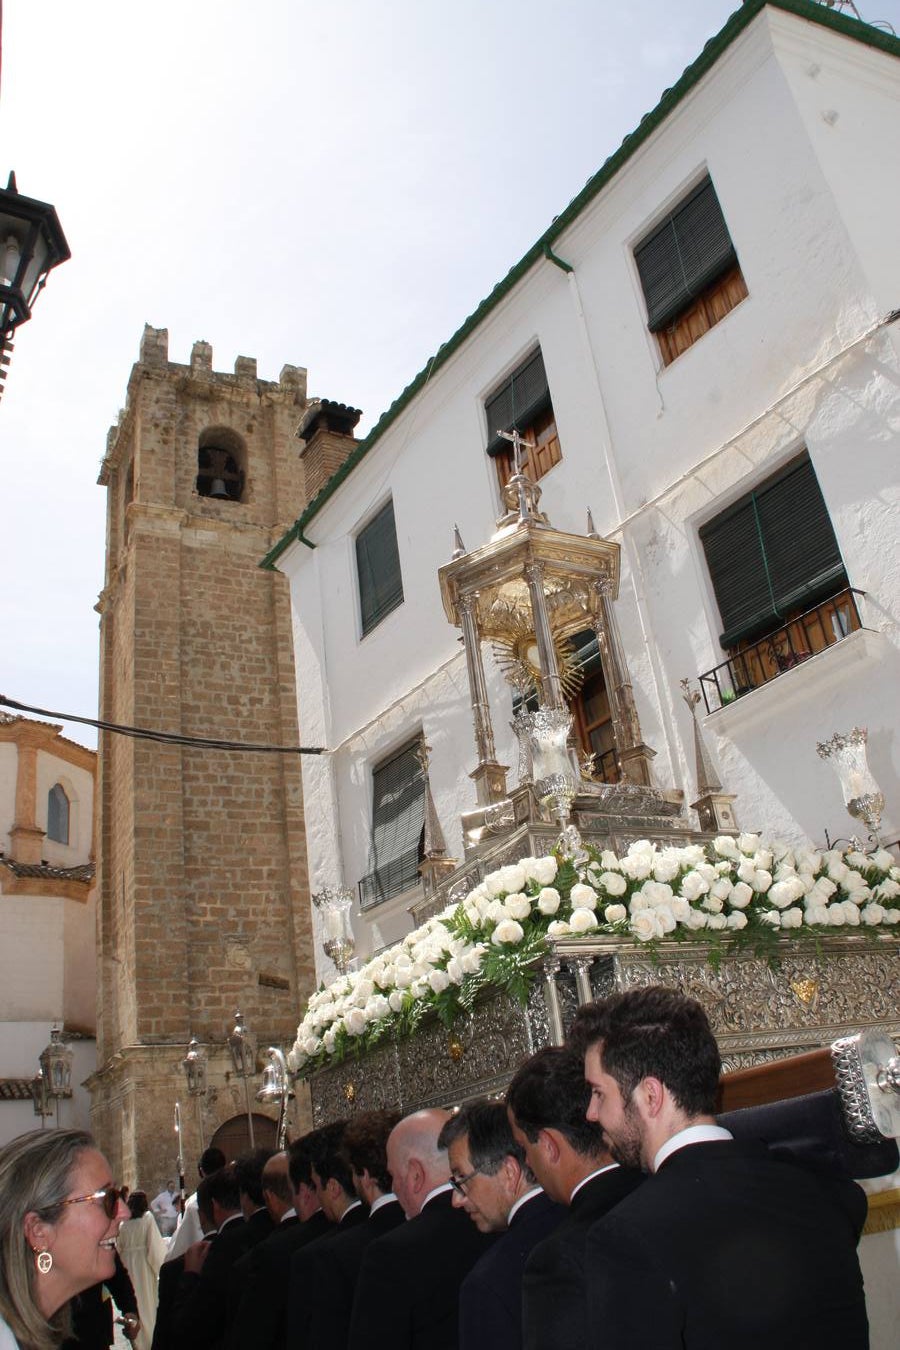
[787,647]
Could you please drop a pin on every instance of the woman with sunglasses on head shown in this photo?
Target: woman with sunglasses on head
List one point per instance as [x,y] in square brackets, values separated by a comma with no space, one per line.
[59,1216]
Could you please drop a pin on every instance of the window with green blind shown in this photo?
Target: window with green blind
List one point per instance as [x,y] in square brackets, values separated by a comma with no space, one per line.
[772,553]
[378,569]
[683,255]
[398,820]
[518,401]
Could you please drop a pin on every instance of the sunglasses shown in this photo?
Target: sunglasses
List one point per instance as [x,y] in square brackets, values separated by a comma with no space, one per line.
[109,1197]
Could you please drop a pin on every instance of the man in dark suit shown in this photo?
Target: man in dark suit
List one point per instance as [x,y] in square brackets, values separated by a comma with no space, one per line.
[200,1319]
[725,1244]
[547,1101]
[261,1317]
[407,1295]
[170,1277]
[249,1168]
[498,1191]
[345,1211]
[327,1272]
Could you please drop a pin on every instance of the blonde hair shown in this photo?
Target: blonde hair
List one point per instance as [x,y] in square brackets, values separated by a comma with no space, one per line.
[34,1176]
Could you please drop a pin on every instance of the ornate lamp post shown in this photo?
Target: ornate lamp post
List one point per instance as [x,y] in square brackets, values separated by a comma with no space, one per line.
[31,244]
[276,1087]
[194,1065]
[863,798]
[56,1075]
[243,1055]
[42,1105]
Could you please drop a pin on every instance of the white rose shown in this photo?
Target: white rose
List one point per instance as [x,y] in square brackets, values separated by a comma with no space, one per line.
[836,914]
[615,884]
[891,916]
[772,917]
[716,921]
[639,902]
[882,860]
[517,906]
[376,1008]
[311,1045]
[541,870]
[355,1021]
[872,914]
[887,889]
[548,900]
[851,913]
[582,920]
[737,920]
[817,914]
[658,893]
[791,918]
[329,1039]
[748,843]
[681,909]
[615,913]
[645,925]
[439,980]
[696,919]
[721,888]
[741,895]
[363,992]
[762,859]
[837,870]
[712,904]
[761,882]
[583,897]
[665,918]
[746,871]
[559,928]
[507,932]
[853,883]
[609,861]
[471,960]
[455,972]
[403,977]
[637,867]
[395,999]
[725,846]
[665,869]
[781,894]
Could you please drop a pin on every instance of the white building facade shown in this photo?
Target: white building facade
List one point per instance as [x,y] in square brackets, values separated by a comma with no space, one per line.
[47,918]
[703,352]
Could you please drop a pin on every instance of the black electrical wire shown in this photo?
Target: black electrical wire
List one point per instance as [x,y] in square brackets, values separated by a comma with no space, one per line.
[164,737]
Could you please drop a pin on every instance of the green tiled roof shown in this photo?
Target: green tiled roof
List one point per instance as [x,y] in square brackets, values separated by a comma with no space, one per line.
[805,9]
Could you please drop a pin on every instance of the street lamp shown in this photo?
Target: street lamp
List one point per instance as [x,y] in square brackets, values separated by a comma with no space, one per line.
[56,1068]
[31,244]
[194,1065]
[39,1096]
[243,1055]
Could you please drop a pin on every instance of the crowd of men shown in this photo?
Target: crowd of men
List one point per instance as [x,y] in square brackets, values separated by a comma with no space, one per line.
[600,1205]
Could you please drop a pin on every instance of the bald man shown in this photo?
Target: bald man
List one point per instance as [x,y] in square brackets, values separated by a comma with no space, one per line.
[407,1296]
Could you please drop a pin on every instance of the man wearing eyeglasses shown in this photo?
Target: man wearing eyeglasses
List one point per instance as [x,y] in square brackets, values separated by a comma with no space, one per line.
[407,1295]
[498,1191]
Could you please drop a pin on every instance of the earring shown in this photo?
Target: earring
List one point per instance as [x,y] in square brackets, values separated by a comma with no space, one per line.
[44,1262]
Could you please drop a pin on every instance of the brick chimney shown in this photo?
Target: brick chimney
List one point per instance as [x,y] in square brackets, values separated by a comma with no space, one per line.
[327,434]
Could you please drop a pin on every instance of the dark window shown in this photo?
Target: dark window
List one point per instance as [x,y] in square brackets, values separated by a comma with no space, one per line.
[523,402]
[378,569]
[58,814]
[398,821]
[689,272]
[218,474]
[772,554]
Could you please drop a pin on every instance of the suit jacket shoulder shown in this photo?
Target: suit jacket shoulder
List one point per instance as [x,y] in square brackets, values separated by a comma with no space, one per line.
[490,1298]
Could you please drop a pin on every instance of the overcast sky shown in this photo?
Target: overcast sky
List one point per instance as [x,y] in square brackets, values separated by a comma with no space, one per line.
[330,183]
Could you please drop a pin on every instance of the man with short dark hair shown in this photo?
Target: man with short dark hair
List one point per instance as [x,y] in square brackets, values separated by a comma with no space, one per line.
[407,1295]
[547,1103]
[497,1189]
[201,1304]
[725,1244]
[328,1271]
[189,1229]
[344,1210]
[261,1317]
[249,1168]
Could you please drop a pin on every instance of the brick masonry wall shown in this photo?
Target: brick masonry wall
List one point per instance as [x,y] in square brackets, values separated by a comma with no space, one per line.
[204,903]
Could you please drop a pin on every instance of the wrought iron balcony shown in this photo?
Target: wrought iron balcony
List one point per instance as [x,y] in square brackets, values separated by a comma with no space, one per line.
[783,649]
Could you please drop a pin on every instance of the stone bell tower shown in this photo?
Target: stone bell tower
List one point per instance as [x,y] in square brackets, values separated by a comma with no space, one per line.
[203,901]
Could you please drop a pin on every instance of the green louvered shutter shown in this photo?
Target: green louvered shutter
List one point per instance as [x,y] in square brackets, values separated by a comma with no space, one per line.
[772,552]
[378,568]
[517,402]
[398,818]
[684,255]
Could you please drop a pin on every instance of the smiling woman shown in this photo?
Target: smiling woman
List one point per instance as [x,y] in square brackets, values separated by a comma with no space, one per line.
[59,1216]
